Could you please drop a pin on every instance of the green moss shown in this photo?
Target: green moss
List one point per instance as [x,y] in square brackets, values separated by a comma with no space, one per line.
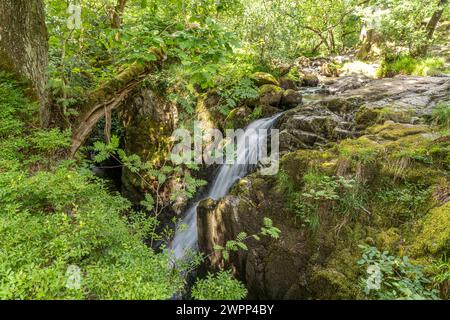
[294,75]
[269,88]
[262,78]
[393,131]
[331,284]
[361,150]
[434,237]
[388,239]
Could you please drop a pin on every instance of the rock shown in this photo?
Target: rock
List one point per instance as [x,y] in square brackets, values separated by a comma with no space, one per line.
[287,83]
[329,70]
[150,121]
[291,99]
[360,69]
[238,117]
[322,262]
[310,80]
[262,78]
[270,95]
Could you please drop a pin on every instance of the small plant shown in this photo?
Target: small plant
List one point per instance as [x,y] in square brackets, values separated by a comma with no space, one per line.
[407,201]
[408,65]
[321,192]
[221,286]
[442,277]
[441,115]
[239,243]
[155,179]
[392,278]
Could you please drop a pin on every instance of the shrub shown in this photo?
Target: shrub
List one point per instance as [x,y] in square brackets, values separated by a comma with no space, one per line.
[62,235]
[221,286]
[408,65]
[389,278]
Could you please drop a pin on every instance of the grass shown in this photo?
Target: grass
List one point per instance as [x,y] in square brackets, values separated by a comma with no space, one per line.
[407,65]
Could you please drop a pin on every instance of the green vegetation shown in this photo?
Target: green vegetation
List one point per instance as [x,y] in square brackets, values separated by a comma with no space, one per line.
[407,65]
[391,278]
[55,215]
[220,286]
[123,75]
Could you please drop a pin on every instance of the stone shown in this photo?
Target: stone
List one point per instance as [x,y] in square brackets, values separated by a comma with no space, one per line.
[291,99]
[262,78]
[310,80]
[270,95]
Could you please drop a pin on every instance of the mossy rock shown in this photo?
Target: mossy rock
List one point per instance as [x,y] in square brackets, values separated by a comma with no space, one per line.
[310,80]
[270,95]
[291,99]
[331,284]
[392,130]
[434,237]
[262,78]
[238,118]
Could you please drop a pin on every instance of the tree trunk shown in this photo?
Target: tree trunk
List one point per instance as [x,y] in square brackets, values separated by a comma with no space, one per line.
[24,46]
[437,15]
[118,13]
[432,25]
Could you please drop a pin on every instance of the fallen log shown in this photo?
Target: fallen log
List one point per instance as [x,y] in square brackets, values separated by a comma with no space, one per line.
[109,96]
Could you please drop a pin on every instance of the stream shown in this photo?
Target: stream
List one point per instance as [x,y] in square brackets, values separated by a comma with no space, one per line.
[227,175]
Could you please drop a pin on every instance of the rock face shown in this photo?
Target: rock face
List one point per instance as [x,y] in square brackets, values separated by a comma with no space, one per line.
[375,138]
[345,115]
[149,121]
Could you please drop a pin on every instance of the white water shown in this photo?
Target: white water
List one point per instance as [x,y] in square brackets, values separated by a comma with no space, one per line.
[227,176]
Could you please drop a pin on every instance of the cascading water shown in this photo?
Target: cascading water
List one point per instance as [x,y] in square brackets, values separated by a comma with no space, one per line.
[255,134]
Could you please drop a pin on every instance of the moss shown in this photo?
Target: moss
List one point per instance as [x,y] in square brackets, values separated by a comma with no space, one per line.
[391,130]
[434,237]
[296,164]
[294,75]
[262,78]
[361,150]
[388,239]
[369,116]
[331,284]
[366,117]
[269,88]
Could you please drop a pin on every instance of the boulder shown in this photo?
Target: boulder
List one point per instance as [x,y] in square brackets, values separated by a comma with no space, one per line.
[270,95]
[287,83]
[262,78]
[291,99]
[310,80]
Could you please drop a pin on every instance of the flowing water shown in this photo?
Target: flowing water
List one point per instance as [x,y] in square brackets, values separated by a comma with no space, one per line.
[255,134]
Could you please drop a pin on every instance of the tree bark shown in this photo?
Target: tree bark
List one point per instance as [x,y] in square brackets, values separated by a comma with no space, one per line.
[437,15]
[118,13]
[24,47]
[432,25]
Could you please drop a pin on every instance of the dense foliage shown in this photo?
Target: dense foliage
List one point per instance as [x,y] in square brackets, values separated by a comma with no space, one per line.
[56,217]
[65,234]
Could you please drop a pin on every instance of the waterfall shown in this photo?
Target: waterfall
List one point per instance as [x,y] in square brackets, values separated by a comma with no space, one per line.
[255,134]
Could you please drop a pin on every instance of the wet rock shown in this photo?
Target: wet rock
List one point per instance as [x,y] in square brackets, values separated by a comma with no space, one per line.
[310,80]
[286,83]
[329,70]
[291,99]
[238,117]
